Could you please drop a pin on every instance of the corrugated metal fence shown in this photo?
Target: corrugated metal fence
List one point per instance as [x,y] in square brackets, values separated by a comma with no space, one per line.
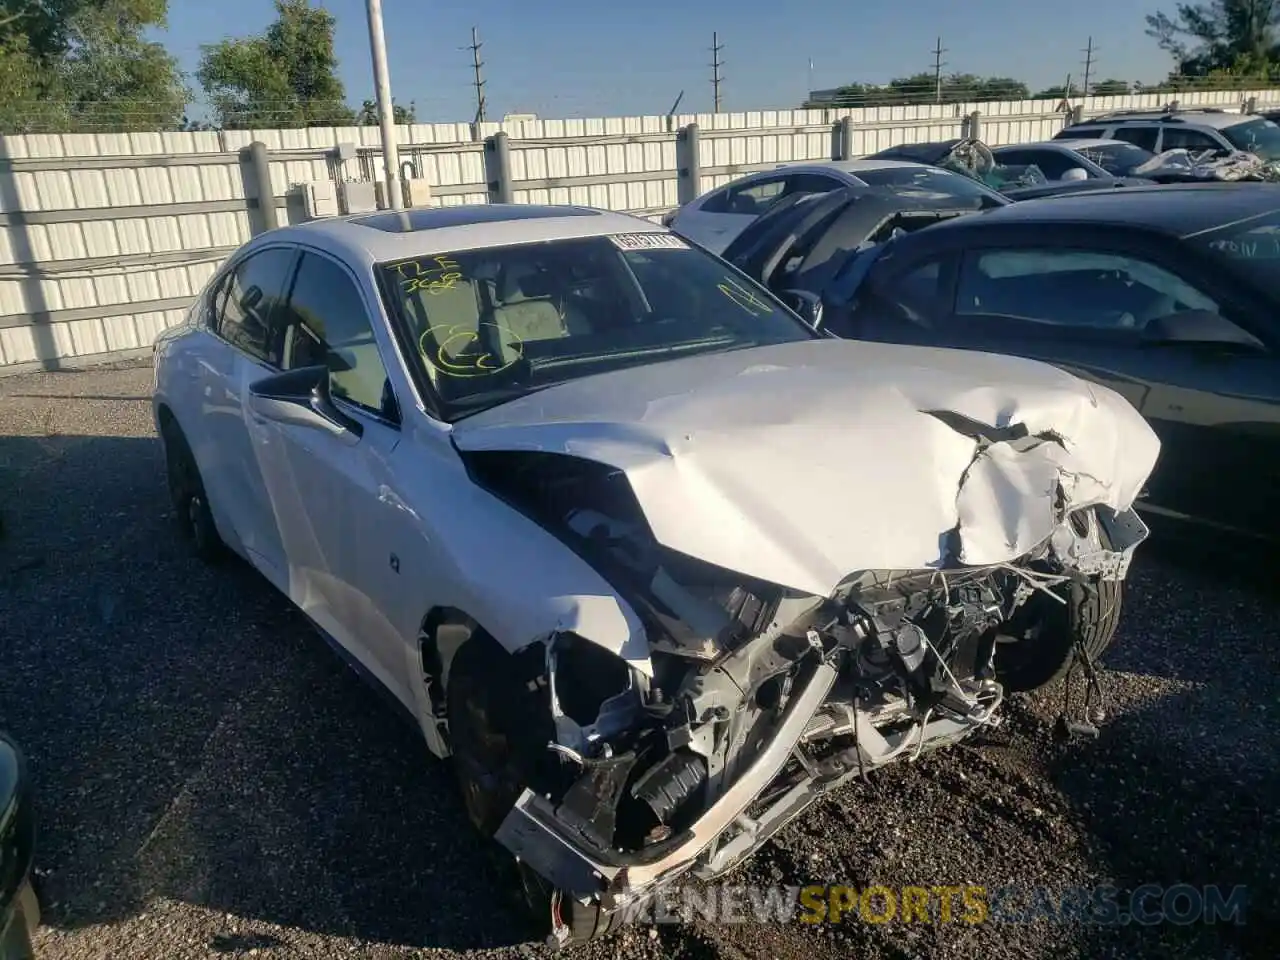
[107,237]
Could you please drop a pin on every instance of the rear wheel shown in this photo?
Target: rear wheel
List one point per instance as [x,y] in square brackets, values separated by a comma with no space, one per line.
[498,735]
[191,513]
[1040,643]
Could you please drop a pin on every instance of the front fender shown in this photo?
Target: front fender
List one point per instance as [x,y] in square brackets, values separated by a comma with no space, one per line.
[517,580]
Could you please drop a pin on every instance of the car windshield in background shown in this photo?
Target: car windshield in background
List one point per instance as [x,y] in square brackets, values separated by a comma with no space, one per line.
[492,324]
[929,183]
[1252,246]
[1118,159]
[1257,136]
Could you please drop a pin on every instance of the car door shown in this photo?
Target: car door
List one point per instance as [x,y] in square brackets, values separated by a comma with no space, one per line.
[245,317]
[331,491]
[1084,303]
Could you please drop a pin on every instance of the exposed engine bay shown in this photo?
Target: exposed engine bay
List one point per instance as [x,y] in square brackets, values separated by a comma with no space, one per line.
[761,697]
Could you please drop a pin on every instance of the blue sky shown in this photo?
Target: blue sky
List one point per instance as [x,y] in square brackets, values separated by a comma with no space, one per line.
[608,58]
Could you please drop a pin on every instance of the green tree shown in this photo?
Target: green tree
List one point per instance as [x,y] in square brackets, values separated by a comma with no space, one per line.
[286,77]
[924,88]
[368,115]
[114,79]
[76,65]
[1059,92]
[1220,35]
[1110,88]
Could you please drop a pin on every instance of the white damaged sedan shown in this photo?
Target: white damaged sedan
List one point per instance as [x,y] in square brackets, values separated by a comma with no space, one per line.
[653,561]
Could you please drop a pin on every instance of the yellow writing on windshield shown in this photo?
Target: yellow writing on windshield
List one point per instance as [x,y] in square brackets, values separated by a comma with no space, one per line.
[457,350]
[747,299]
[432,275]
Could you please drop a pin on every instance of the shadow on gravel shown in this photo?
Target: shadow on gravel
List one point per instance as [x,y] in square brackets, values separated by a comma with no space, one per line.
[190,737]
[1185,792]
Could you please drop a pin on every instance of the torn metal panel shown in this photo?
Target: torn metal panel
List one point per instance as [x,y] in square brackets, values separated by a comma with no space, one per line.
[798,464]
[1188,165]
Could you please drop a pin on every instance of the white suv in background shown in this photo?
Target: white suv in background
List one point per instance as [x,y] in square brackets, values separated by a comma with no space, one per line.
[1193,130]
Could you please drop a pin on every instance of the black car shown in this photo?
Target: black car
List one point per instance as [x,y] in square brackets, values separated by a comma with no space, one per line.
[1168,295]
[19,911]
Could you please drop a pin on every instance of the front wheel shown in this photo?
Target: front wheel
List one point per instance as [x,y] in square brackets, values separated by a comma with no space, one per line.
[1041,645]
[191,513]
[498,737]
[1038,647]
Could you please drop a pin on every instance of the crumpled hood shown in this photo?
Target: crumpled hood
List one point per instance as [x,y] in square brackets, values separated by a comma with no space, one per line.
[802,463]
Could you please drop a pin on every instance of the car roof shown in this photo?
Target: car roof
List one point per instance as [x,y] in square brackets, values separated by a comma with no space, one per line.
[1218,120]
[392,235]
[851,166]
[1176,209]
[1081,143]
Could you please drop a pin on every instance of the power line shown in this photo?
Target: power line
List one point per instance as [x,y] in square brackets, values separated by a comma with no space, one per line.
[938,64]
[478,83]
[1088,67]
[716,64]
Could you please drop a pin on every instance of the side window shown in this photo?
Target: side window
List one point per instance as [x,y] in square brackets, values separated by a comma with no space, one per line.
[1051,163]
[1072,287]
[327,323]
[919,289]
[750,199]
[811,183]
[247,303]
[1177,138]
[1144,137]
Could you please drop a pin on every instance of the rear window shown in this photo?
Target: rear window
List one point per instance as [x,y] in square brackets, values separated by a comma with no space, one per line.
[932,184]
[1118,159]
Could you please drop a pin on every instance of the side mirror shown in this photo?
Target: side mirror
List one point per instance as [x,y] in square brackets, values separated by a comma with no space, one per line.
[1203,327]
[807,304]
[300,398]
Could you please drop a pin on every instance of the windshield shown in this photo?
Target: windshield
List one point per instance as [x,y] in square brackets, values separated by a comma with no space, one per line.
[1251,246]
[493,324]
[930,183]
[1257,136]
[1118,159]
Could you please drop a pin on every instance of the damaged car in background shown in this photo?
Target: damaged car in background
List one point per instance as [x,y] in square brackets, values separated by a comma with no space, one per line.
[651,560]
[1029,171]
[1167,295]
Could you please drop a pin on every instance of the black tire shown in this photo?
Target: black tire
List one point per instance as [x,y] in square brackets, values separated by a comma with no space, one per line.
[191,514]
[1040,645]
[497,736]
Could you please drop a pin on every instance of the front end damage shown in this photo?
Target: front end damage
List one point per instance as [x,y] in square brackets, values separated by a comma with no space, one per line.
[761,698]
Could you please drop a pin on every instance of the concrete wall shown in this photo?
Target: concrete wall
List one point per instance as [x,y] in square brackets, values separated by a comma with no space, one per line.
[106,238]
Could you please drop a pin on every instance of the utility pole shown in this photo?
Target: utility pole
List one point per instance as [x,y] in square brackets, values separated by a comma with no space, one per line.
[386,108]
[938,64]
[1088,67]
[716,64]
[478,83]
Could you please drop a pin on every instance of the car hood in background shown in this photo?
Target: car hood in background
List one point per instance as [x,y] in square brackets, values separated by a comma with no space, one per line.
[802,463]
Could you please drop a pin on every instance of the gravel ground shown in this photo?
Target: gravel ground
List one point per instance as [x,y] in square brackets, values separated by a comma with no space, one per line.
[213,782]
